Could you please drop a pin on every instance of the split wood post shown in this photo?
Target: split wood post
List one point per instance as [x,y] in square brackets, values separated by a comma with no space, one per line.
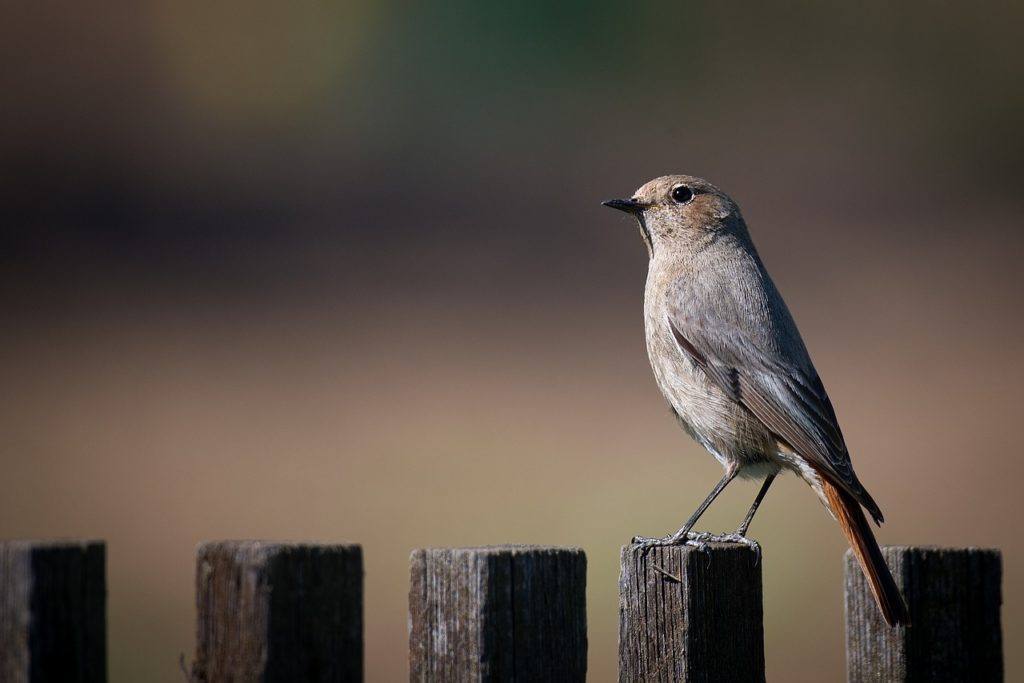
[277,612]
[954,597]
[498,614]
[690,615]
[53,611]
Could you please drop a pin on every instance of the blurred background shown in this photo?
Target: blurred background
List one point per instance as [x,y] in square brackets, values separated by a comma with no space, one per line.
[340,272]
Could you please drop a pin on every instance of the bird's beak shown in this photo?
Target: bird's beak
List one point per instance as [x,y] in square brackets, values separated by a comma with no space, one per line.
[628,205]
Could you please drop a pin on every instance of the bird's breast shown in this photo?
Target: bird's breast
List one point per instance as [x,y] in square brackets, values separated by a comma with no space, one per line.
[725,428]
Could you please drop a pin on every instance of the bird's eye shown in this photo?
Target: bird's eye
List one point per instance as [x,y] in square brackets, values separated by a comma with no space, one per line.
[682,194]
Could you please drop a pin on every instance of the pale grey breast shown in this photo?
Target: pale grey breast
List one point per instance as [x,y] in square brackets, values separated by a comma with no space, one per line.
[726,429]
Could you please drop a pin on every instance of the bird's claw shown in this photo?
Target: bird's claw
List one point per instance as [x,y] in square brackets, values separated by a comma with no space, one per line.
[698,540]
[693,539]
[735,538]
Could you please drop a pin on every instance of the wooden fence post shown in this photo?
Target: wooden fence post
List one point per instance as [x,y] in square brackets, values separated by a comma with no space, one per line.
[690,615]
[501,613]
[276,612]
[953,595]
[53,611]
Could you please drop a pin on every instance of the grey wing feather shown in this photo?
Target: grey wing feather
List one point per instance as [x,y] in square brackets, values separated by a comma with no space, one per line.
[790,401]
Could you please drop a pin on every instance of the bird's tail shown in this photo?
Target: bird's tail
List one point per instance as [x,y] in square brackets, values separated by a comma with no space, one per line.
[855,527]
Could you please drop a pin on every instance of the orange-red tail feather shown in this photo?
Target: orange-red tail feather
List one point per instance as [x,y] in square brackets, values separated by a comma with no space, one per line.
[857,531]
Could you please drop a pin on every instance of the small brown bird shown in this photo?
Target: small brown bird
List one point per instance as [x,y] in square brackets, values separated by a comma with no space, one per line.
[729,359]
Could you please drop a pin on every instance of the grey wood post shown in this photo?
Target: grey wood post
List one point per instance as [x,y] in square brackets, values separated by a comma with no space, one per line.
[954,597]
[501,613]
[53,611]
[690,615]
[276,612]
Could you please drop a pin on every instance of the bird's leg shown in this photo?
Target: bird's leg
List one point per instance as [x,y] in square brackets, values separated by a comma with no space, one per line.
[742,531]
[685,536]
[741,534]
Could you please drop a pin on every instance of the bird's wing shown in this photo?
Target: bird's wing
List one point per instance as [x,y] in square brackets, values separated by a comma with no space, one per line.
[788,399]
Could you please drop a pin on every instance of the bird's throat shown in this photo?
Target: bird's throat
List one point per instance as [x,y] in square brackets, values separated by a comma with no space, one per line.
[645,233]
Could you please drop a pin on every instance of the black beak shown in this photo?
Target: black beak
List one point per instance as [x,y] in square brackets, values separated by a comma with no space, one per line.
[628,205]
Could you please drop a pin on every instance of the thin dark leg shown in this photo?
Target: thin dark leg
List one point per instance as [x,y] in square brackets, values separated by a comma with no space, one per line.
[681,535]
[742,531]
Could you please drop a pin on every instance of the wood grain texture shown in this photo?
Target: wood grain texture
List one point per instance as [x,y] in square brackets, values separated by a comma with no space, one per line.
[53,621]
[499,613]
[690,615]
[276,612]
[954,597]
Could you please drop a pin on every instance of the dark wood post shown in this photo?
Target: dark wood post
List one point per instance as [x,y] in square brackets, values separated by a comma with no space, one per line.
[501,613]
[953,595]
[690,615]
[276,612]
[53,611]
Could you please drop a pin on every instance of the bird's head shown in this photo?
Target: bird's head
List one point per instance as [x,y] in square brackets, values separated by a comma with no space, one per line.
[676,211]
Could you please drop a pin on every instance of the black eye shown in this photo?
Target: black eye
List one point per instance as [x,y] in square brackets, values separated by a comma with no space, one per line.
[682,194]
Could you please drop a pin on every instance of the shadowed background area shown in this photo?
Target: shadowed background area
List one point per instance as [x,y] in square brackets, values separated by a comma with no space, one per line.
[340,272]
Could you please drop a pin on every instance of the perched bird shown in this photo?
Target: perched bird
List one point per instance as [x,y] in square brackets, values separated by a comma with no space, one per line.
[729,359]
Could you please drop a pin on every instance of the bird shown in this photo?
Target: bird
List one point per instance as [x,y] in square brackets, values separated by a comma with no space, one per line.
[730,360]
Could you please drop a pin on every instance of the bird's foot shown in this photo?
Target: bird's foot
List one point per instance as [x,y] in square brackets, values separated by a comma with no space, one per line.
[698,540]
[691,538]
[733,538]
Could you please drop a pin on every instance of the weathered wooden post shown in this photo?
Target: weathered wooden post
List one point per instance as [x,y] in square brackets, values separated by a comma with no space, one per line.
[690,615]
[501,614]
[954,596]
[53,611]
[277,612]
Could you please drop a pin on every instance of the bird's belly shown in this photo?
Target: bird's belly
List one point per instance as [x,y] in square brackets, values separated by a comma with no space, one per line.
[726,429]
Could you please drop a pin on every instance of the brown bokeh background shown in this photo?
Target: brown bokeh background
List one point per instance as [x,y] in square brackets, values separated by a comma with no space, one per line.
[311,271]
